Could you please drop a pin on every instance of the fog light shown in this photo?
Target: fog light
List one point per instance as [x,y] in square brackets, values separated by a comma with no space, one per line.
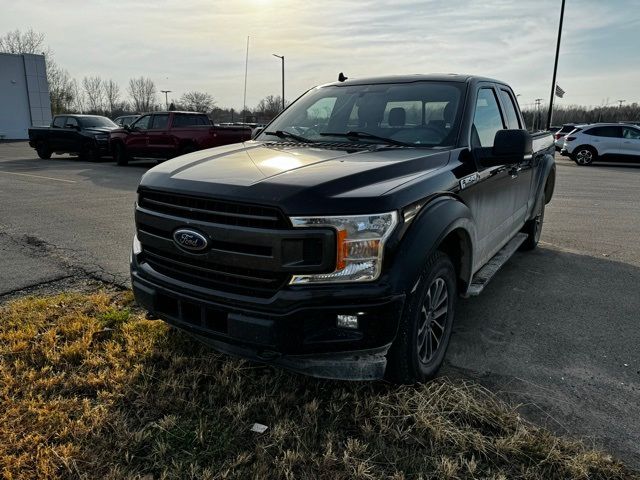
[347,321]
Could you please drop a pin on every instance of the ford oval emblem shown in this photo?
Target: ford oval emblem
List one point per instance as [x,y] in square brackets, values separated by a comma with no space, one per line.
[190,240]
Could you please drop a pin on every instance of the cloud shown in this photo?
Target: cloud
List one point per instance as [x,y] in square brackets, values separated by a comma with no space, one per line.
[200,44]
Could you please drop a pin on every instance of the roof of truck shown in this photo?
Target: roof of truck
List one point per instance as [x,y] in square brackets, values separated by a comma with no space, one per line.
[420,77]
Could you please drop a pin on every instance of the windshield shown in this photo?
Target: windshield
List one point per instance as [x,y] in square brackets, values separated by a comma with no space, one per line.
[417,114]
[90,122]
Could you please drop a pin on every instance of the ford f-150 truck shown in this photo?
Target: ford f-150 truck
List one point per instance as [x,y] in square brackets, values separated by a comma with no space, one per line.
[337,241]
[165,135]
[86,135]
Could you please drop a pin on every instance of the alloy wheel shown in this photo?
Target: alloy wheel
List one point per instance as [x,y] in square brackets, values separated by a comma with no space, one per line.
[584,157]
[434,319]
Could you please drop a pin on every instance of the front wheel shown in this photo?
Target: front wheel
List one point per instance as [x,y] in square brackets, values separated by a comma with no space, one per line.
[120,154]
[426,323]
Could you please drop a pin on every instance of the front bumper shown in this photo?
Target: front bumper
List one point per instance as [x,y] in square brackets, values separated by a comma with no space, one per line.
[295,330]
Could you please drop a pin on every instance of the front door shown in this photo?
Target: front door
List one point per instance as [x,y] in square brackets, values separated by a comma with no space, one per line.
[137,139]
[159,141]
[491,192]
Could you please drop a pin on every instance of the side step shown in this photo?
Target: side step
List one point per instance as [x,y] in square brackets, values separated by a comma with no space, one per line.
[486,273]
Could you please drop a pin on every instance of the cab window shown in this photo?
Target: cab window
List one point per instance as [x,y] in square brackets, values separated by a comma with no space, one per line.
[143,122]
[631,133]
[160,121]
[510,110]
[71,123]
[487,119]
[58,122]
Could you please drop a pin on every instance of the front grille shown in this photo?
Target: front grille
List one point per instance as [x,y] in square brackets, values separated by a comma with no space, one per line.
[213,276]
[213,210]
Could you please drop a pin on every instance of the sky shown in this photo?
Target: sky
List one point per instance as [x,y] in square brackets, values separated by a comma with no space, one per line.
[201,45]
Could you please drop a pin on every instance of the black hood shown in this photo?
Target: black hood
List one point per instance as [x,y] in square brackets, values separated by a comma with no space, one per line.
[101,129]
[300,179]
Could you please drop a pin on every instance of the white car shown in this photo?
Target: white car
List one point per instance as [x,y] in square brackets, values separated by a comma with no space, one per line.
[603,141]
[559,136]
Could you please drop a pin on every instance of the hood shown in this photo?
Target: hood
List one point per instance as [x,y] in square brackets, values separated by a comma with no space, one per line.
[297,178]
[101,129]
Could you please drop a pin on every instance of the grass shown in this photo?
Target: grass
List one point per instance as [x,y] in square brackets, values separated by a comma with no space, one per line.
[91,389]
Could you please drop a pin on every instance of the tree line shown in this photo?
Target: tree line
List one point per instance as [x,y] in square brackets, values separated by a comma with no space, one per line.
[101,96]
[536,119]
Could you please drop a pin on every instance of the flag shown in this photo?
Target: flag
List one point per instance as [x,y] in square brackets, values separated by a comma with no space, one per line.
[559,91]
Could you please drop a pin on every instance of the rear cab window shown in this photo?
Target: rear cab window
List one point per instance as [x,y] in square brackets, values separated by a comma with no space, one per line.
[510,110]
[189,120]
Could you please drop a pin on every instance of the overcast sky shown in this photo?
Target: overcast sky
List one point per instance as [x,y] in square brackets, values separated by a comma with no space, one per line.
[200,45]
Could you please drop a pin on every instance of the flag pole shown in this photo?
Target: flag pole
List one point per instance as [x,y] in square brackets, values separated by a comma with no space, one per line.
[555,68]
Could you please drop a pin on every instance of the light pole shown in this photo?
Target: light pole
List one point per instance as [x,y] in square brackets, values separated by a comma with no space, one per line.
[621,102]
[166,97]
[281,57]
[555,67]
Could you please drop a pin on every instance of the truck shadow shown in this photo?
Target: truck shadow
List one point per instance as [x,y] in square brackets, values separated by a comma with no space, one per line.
[559,332]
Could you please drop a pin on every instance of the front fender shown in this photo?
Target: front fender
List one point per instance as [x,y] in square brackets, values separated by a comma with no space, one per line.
[436,221]
[544,184]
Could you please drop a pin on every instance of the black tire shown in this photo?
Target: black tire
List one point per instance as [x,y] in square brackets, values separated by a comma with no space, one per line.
[584,155]
[120,154]
[42,151]
[412,357]
[90,152]
[533,229]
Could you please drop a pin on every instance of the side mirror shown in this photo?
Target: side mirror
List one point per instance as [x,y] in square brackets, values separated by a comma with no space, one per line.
[256,131]
[509,147]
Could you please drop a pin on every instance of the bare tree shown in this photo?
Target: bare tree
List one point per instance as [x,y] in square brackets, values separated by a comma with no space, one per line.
[92,87]
[269,107]
[143,94]
[79,101]
[197,101]
[61,89]
[112,94]
[24,42]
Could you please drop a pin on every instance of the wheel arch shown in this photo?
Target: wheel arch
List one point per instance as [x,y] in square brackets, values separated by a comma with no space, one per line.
[445,224]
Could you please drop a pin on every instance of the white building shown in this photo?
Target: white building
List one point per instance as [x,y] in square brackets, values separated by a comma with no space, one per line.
[24,95]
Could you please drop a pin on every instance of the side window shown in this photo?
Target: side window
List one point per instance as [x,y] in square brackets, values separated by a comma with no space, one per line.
[71,122]
[510,110]
[608,131]
[487,119]
[58,122]
[160,121]
[143,122]
[631,133]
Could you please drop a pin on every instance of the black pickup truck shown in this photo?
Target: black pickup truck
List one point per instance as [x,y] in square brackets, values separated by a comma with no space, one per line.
[85,135]
[337,242]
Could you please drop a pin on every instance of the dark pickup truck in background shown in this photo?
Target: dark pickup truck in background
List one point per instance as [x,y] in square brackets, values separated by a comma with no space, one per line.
[164,135]
[86,135]
[337,242]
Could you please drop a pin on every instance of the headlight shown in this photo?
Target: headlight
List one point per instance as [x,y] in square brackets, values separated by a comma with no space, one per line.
[360,243]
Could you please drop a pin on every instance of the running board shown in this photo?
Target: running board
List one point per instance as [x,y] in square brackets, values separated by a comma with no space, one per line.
[486,273]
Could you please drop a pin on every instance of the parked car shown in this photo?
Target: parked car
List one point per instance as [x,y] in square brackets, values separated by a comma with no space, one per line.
[337,242]
[126,120]
[559,135]
[603,141]
[86,135]
[164,135]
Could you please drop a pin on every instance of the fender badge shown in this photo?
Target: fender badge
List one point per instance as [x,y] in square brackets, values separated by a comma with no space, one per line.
[469,180]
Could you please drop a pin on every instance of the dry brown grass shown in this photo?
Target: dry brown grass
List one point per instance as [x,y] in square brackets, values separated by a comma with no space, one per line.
[90,389]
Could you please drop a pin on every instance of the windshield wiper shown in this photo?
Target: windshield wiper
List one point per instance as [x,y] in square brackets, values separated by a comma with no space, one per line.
[356,135]
[285,134]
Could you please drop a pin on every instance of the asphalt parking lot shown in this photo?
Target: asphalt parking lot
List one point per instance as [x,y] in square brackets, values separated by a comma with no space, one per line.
[557,329]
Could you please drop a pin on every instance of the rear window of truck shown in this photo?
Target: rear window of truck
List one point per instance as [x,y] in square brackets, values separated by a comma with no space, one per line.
[187,120]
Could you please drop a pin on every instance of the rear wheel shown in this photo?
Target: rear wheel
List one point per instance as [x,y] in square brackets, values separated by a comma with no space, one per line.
[426,323]
[533,229]
[120,154]
[42,151]
[585,155]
